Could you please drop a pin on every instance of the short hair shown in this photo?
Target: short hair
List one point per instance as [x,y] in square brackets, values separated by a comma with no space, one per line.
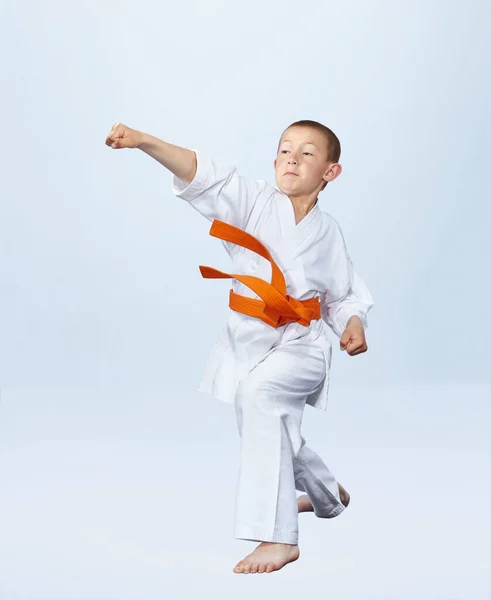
[333,144]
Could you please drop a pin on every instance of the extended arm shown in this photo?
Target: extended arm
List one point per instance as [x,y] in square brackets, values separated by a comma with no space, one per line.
[180,161]
[213,188]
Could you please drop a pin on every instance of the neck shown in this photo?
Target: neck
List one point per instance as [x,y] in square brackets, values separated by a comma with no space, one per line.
[302,205]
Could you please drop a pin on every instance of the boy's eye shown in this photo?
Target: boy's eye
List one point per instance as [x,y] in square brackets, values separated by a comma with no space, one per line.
[284,151]
[308,153]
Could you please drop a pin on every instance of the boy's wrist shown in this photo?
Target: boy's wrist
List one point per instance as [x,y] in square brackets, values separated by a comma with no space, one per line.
[355,319]
[144,140]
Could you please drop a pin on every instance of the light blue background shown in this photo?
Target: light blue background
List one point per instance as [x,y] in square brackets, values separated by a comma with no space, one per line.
[117,478]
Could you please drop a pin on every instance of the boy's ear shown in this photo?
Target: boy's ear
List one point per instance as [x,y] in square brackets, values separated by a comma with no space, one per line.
[334,171]
[274,163]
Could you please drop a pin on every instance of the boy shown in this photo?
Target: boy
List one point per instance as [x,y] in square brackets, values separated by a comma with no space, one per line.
[292,276]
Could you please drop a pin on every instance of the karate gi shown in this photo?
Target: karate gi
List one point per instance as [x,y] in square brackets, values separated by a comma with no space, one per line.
[271,373]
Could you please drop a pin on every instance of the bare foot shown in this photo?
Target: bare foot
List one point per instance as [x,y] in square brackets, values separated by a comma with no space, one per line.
[343,494]
[268,557]
[305,505]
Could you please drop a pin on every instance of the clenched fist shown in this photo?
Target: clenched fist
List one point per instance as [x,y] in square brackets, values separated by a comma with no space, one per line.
[353,339]
[121,136]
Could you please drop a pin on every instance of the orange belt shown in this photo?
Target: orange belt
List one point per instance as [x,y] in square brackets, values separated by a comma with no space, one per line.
[276,308]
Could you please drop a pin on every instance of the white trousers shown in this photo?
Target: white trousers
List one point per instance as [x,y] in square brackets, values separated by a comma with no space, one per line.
[274,458]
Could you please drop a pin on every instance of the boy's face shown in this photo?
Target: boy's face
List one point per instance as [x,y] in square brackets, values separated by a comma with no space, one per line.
[301,164]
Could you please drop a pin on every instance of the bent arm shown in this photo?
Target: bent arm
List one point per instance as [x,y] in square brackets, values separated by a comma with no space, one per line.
[357,302]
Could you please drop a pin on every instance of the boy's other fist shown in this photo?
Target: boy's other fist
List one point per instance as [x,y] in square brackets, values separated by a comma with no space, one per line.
[353,339]
[121,136]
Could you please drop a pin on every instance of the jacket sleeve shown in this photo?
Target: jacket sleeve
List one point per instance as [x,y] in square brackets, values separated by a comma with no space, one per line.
[348,295]
[358,301]
[218,192]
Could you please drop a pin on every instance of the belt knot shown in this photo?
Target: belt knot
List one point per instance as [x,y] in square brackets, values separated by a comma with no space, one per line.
[276,307]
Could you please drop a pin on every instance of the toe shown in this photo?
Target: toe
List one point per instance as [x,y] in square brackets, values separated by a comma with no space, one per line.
[261,568]
[254,568]
[269,568]
[246,569]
